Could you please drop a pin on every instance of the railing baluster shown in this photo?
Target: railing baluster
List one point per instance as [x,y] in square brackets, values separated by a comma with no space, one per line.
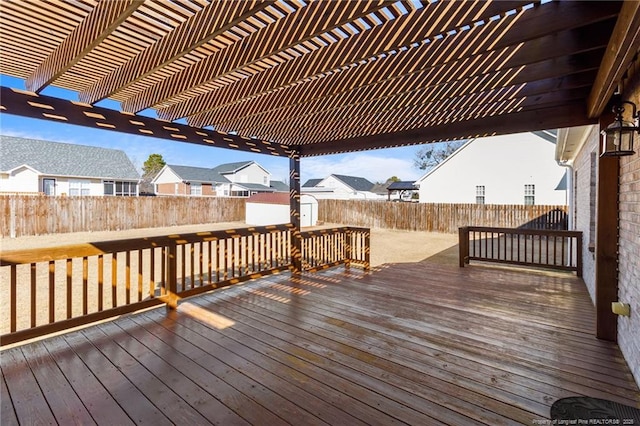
[100,281]
[200,263]
[140,275]
[114,280]
[34,308]
[52,291]
[14,298]
[192,264]
[127,274]
[69,289]
[85,285]
[209,261]
[152,272]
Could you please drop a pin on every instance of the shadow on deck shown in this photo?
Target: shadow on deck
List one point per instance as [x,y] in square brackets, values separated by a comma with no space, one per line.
[419,343]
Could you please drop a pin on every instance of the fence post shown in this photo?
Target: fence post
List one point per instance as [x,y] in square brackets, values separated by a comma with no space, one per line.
[463,245]
[172,276]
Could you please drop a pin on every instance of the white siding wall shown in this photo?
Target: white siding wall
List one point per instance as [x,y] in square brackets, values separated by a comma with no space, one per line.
[96,187]
[503,165]
[22,180]
[167,176]
[250,174]
[584,207]
[338,185]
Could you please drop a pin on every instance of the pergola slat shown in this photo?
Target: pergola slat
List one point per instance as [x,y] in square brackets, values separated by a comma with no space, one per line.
[361,89]
[384,37]
[97,26]
[192,33]
[278,36]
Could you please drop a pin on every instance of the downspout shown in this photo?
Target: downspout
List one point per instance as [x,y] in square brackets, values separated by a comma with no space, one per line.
[569,192]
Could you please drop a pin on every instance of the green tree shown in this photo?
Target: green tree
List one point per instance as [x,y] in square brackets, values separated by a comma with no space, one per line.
[153,165]
[150,169]
[433,154]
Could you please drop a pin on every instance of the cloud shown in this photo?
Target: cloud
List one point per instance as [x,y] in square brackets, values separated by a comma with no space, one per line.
[375,167]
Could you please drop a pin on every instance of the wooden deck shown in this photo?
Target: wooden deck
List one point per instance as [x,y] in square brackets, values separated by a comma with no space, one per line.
[414,343]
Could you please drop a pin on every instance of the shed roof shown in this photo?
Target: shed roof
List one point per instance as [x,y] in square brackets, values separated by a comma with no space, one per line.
[65,159]
[269,198]
[402,186]
[319,77]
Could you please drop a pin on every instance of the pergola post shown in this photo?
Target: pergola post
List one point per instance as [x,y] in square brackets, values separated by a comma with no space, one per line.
[606,254]
[294,210]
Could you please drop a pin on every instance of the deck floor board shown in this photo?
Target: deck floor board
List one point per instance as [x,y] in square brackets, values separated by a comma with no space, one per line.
[417,343]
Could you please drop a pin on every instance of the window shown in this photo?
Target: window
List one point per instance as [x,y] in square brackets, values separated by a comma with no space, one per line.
[120,188]
[264,180]
[480,194]
[196,189]
[79,187]
[49,186]
[529,194]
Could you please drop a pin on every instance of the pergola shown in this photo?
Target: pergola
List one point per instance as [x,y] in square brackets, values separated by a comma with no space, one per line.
[295,79]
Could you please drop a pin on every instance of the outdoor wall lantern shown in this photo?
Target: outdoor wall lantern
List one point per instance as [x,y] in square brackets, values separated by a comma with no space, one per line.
[618,136]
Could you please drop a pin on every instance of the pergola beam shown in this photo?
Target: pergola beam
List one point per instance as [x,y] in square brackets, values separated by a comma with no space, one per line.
[97,26]
[28,104]
[567,115]
[623,47]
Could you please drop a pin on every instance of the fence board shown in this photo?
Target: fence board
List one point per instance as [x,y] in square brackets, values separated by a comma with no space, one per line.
[23,215]
[446,218]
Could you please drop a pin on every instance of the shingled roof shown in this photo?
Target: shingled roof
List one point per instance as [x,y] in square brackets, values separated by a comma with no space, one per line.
[357,183]
[197,174]
[65,159]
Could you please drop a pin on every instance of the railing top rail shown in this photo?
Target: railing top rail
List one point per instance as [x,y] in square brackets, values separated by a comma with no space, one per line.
[15,257]
[524,231]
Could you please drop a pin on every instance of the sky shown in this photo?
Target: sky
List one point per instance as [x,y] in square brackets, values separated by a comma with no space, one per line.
[375,165]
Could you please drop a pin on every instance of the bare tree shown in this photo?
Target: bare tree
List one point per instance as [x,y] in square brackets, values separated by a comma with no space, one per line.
[432,155]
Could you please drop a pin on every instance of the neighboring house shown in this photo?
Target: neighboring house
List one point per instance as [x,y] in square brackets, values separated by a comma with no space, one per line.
[53,168]
[509,169]
[240,179]
[340,187]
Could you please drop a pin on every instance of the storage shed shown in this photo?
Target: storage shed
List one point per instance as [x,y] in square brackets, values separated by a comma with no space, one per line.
[273,208]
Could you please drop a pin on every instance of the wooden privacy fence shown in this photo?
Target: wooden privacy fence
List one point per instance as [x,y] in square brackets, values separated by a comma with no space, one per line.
[439,217]
[22,215]
[48,290]
[530,247]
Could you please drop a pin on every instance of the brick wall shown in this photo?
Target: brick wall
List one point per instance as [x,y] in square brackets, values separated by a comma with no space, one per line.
[629,257]
[629,260]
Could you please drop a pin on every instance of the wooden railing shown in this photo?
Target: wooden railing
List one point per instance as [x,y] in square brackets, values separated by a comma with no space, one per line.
[325,248]
[48,290]
[539,248]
